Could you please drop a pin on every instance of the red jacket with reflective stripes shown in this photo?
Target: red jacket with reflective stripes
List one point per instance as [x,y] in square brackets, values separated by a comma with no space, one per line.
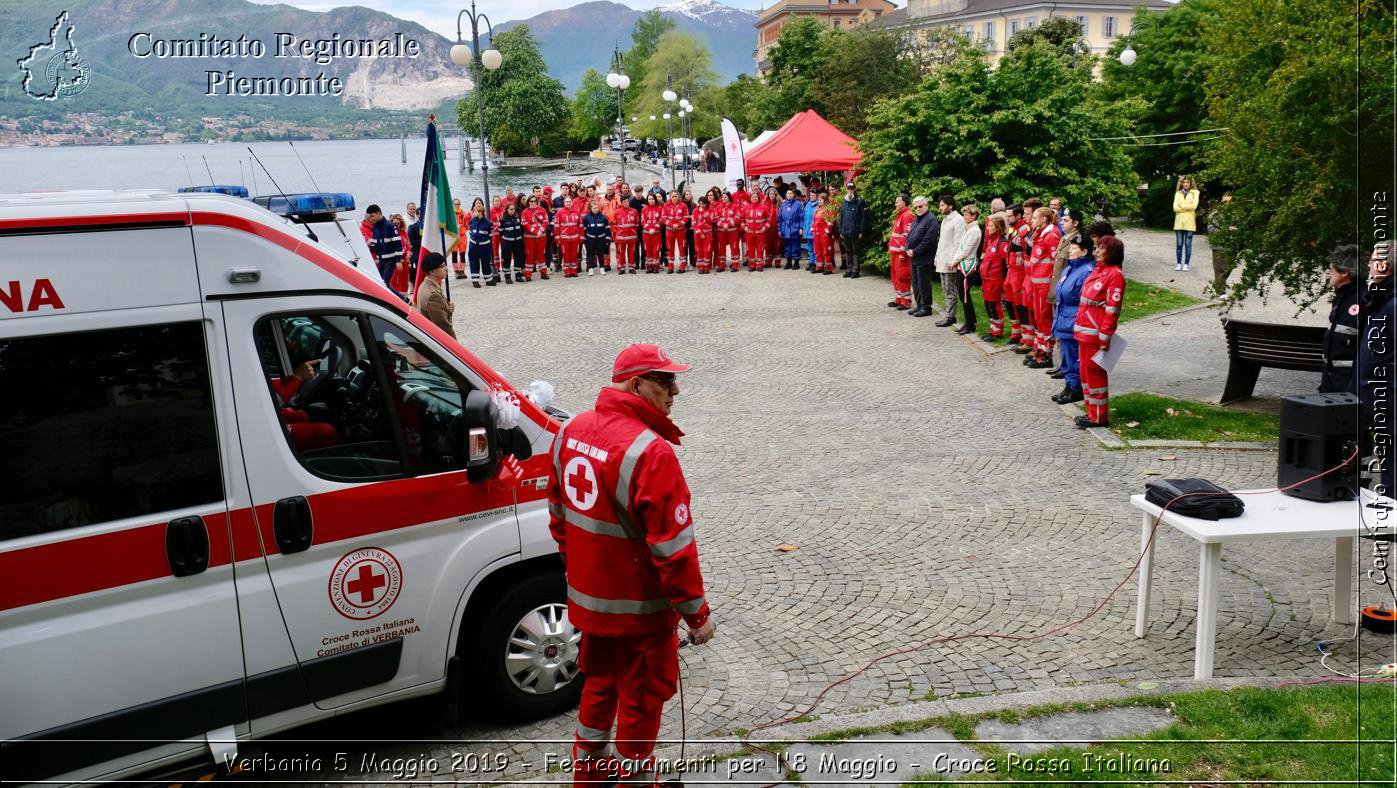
[619,510]
[1100,309]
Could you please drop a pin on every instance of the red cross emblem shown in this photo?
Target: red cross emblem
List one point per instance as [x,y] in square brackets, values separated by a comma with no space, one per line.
[365,583]
[580,483]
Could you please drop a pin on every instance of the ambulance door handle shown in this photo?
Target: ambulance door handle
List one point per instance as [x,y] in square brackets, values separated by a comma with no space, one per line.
[294,530]
[187,546]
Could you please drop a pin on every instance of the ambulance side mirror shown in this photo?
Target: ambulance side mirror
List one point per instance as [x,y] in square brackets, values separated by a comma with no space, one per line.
[482,449]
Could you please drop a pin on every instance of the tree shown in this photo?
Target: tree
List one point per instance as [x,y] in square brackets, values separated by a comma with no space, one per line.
[868,65]
[1026,128]
[738,103]
[1059,32]
[593,108]
[795,62]
[645,37]
[1168,74]
[687,63]
[1286,92]
[522,103]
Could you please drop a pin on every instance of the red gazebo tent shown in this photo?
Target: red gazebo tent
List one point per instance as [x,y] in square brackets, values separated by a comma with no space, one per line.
[806,143]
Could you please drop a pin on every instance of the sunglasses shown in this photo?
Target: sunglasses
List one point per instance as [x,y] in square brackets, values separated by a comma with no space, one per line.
[667,381]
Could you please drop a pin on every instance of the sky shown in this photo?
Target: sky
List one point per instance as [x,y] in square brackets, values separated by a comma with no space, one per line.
[440,15]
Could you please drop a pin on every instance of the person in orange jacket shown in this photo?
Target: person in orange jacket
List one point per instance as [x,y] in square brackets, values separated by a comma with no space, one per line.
[625,229]
[651,221]
[620,511]
[535,220]
[458,249]
[676,218]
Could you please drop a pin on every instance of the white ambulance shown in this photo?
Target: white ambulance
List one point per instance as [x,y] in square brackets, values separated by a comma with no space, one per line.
[241,489]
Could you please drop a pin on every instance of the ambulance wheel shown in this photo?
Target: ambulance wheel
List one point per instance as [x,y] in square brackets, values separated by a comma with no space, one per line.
[526,656]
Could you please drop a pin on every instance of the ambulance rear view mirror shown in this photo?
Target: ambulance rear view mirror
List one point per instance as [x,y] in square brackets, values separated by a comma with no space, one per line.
[482,449]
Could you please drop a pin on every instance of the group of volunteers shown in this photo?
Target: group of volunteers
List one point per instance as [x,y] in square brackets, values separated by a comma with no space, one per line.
[1048,282]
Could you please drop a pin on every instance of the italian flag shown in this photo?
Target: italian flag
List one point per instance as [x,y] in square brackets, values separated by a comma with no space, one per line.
[439,230]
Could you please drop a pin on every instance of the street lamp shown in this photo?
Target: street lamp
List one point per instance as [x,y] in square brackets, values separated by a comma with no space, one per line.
[686,124]
[618,80]
[1127,56]
[669,96]
[490,59]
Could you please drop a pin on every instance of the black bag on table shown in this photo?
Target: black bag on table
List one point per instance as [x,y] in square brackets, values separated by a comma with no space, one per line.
[1216,505]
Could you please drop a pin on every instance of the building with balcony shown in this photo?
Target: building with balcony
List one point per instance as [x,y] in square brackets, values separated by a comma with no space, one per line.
[989,23]
[830,13]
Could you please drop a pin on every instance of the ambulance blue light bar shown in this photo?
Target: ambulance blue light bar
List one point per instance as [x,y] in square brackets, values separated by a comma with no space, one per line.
[231,191]
[307,203]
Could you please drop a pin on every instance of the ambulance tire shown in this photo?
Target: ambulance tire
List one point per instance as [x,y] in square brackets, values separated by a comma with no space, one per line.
[495,690]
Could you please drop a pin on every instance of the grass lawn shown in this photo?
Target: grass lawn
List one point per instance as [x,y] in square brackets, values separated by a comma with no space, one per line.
[1291,734]
[1143,416]
[1143,300]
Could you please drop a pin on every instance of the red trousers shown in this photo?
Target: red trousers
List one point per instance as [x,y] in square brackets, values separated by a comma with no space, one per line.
[756,249]
[729,245]
[652,251]
[1013,286]
[677,247]
[625,255]
[703,251]
[535,253]
[901,269]
[1095,385]
[569,256]
[1042,320]
[992,290]
[628,681]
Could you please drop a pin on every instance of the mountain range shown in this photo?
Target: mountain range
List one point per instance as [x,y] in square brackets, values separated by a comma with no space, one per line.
[575,39]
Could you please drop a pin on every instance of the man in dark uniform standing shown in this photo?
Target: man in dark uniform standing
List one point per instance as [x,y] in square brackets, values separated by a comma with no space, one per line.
[1341,340]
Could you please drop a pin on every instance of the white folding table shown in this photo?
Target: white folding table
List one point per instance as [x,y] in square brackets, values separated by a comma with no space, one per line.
[1268,516]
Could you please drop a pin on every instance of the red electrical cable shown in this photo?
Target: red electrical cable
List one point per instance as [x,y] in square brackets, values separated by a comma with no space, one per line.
[745,738]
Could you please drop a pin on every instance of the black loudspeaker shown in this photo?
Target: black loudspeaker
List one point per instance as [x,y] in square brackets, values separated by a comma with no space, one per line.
[1319,432]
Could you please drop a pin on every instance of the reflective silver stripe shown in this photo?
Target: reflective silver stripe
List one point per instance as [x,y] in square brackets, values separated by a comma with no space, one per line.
[558,453]
[1341,364]
[1087,330]
[669,547]
[631,606]
[691,607]
[555,510]
[1114,310]
[593,734]
[594,526]
[1339,328]
[628,462]
[1037,280]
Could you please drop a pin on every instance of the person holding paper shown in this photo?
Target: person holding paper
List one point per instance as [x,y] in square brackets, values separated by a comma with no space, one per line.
[1100,311]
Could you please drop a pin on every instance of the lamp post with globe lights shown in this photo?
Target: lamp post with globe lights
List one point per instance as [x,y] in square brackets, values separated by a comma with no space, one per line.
[1127,55]
[617,79]
[686,119]
[670,97]
[463,55]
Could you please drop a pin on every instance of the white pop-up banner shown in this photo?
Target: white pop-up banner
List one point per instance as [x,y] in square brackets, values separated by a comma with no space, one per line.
[732,148]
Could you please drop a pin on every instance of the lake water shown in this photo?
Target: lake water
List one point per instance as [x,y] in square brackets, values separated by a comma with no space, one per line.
[371,170]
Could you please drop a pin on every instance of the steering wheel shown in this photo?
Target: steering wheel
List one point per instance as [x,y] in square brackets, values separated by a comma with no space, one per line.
[329,364]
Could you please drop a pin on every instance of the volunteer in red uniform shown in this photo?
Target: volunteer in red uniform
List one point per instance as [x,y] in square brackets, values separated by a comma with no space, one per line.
[822,236]
[901,267]
[756,217]
[993,259]
[728,218]
[1046,237]
[1014,284]
[651,220]
[619,510]
[535,239]
[676,219]
[702,221]
[773,233]
[625,228]
[568,222]
[1100,310]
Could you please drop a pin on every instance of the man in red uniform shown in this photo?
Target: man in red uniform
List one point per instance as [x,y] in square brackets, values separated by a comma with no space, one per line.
[901,268]
[535,220]
[756,215]
[568,222]
[702,220]
[728,218]
[651,220]
[676,219]
[1015,288]
[625,227]
[619,510]
[1045,237]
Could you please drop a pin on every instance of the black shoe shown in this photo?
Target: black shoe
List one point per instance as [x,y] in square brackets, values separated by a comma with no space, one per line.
[848,274]
[963,330]
[1085,423]
[944,322]
[920,313]
[1055,371]
[1070,395]
[894,304]
[857,274]
[987,338]
[475,284]
[1044,364]
[491,283]
[1022,348]
[1057,374]
[1058,397]
[903,307]
[826,272]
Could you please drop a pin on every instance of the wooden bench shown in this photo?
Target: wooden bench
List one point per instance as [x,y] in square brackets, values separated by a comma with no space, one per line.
[1251,346]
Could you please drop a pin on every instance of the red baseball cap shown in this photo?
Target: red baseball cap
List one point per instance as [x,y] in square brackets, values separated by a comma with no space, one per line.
[640,359]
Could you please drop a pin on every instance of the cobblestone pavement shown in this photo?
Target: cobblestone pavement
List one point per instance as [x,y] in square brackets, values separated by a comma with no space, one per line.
[930,489]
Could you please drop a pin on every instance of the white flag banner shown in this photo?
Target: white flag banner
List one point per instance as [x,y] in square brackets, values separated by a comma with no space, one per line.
[732,149]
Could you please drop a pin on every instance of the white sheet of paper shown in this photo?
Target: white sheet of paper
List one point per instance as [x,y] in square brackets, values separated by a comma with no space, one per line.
[1106,359]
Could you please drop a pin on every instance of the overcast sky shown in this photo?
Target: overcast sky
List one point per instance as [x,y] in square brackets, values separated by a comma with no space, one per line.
[440,15]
